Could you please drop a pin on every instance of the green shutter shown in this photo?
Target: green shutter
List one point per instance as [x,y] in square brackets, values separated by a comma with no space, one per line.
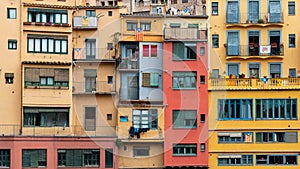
[109,158]
[154,79]
[178,51]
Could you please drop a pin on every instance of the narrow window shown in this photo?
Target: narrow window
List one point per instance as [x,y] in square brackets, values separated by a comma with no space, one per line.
[202,147]
[292,40]
[215,8]
[202,118]
[109,117]
[90,118]
[109,80]
[123,118]
[215,41]
[110,13]
[109,46]
[9,78]
[109,158]
[202,79]
[11,13]
[202,51]
[291,8]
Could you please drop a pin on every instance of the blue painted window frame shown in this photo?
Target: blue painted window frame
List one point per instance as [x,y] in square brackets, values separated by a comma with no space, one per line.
[229,47]
[265,159]
[186,149]
[232,64]
[235,160]
[230,137]
[238,12]
[274,137]
[185,121]
[292,40]
[291,8]
[225,113]
[274,72]
[275,17]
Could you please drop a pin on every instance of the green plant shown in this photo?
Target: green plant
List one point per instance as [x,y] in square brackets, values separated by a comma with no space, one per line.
[119,143]
[260,21]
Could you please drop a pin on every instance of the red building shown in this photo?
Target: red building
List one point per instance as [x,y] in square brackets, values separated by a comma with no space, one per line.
[186,95]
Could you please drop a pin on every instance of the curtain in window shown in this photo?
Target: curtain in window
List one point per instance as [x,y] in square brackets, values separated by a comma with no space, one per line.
[153,50]
[145,50]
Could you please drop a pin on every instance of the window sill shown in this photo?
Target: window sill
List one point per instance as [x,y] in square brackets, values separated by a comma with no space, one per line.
[184,155]
[235,119]
[184,88]
[46,87]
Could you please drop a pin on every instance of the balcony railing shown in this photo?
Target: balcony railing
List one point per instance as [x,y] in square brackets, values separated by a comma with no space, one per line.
[99,87]
[254,84]
[93,54]
[74,130]
[84,22]
[254,18]
[255,50]
[129,64]
[184,34]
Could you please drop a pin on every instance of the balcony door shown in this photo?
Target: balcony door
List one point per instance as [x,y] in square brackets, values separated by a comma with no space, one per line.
[274,11]
[233,43]
[253,43]
[233,11]
[275,39]
[90,48]
[254,70]
[253,11]
[133,90]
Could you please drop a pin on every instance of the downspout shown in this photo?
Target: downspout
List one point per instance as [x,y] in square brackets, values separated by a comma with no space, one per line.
[20,57]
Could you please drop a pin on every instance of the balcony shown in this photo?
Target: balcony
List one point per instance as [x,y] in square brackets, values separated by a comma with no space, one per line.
[83,22]
[74,130]
[254,84]
[99,87]
[251,19]
[129,64]
[254,51]
[93,54]
[185,34]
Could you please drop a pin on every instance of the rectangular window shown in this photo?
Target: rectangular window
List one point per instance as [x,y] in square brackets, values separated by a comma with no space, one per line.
[184,51]
[47,16]
[292,73]
[184,149]
[202,51]
[109,158]
[184,119]
[202,79]
[9,78]
[141,151]
[292,40]
[123,118]
[46,117]
[233,11]
[11,13]
[275,70]
[150,79]
[184,1]
[131,26]
[184,80]
[46,45]
[275,14]
[110,13]
[90,76]
[149,50]
[277,159]
[46,77]
[235,137]
[215,73]
[232,160]
[202,118]
[274,137]
[175,25]
[291,6]
[233,69]
[78,158]
[109,117]
[145,119]
[276,109]
[109,79]
[215,8]
[215,41]
[109,46]
[90,45]
[90,119]
[12,44]
[235,109]
[34,158]
[146,26]
[202,147]
[90,13]
[4,158]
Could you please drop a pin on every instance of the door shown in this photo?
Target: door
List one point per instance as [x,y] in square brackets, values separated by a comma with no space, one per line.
[253,43]
[90,51]
[253,11]
[133,90]
[232,12]
[233,44]
[274,11]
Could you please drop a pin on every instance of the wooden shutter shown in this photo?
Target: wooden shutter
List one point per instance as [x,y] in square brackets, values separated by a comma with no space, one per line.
[47,72]
[90,118]
[146,79]
[145,50]
[291,137]
[61,75]
[32,75]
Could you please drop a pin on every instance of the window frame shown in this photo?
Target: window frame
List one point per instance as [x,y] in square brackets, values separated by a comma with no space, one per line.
[47,16]
[88,157]
[215,41]
[189,51]
[131,25]
[224,112]
[181,75]
[5,158]
[88,118]
[186,122]
[37,45]
[214,8]
[235,160]
[14,15]
[12,44]
[266,159]
[41,159]
[274,137]
[145,26]
[184,150]
[145,117]
[292,40]
[235,137]
[141,151]
[291,5]
[150,79]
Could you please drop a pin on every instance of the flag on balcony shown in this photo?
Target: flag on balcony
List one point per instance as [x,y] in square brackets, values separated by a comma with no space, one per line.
[139,35]
[248,137]
[78,53]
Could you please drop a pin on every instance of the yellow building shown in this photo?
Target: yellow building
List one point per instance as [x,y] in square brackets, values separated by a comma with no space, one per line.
[254,85]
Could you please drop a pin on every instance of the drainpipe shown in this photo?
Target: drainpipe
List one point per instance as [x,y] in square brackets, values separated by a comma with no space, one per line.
[20,55]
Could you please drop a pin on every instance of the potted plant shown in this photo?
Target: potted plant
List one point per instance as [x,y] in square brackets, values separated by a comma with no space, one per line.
[260,21]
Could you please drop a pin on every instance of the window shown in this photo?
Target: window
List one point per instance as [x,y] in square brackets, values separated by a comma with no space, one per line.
[123,118]
[184,1]
[12,44]
[291,6]
[90,45]
[276,159]
[58,45]
[90,13]
[141,151]
[109,80]
[215,8]
[184,119]
[90,119]
[236,137]
[215,73]
[275,70]
[78,158]
[270,137]
[90,76]
[9,78]
[184,51]
[274,11]
[47,16]
[173,1]
[4,158]
[254,70]
[34,158]
[46,77]
[292,73]
[232,13]
[110,13]
[202,79]
[145,119]
[109,117]
[109,46]
[184,149]
[175,25]
[46,117]
[146,26]
[224,160]
[235,109]
[292,40]
[202,51]
[202,147]
[109,158]
[233,44]
[233,69]
[131,26]
[202,118]
[149,50]
[150,79]
[11,13]
[184,80]
[215,41]
[276,109]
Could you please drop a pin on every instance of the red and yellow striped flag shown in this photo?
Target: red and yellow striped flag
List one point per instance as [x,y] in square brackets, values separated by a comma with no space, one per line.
[139,35]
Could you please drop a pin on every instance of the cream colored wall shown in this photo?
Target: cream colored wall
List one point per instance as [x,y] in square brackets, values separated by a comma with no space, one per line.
[52,2]
[10,104]
[202,23]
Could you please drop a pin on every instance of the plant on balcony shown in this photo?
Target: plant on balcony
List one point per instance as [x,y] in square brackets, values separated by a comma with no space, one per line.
[261,21]
[225,45]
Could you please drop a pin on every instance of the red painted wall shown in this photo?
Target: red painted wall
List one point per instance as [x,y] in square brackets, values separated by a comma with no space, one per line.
[52,144]
[186,100]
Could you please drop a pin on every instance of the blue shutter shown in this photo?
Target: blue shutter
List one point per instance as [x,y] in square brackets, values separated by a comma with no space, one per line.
[233,44]
[275,11]
[253,14]
[233,12]
[233,69]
